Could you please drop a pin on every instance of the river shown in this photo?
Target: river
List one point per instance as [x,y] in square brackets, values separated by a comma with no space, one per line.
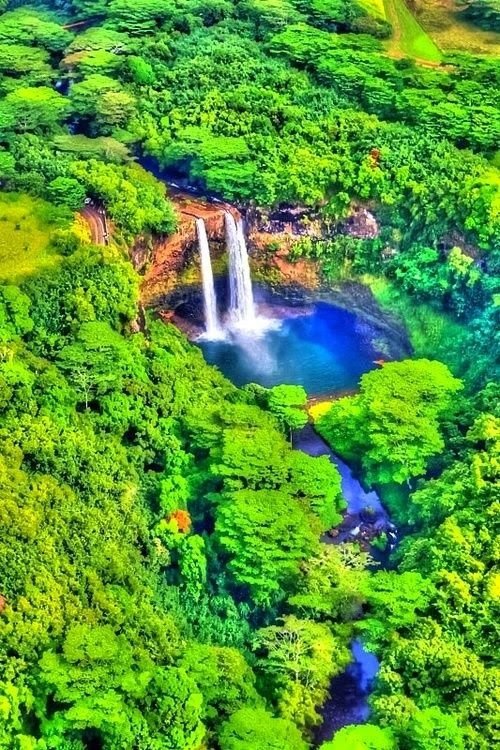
[365,515]
[325,348]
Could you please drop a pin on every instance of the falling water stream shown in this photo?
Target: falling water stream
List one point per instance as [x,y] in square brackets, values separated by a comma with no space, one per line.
[213,328]
[241,302]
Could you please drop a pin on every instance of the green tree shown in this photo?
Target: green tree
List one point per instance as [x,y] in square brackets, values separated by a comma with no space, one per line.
[298,659]
[224,679]
[134,198]
[38,110]
[266,536]
[288,403]
[98,361]
[269,17]
[256,729]
[102,101]
[107,695]
[15,320]
[29,66]
[366,737]
[67,191]
[33,27]
[393,423]
[333,583]
[316,483]
[433,729]
[396,601]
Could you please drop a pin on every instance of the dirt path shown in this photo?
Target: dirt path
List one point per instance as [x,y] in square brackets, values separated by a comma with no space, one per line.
[96,219]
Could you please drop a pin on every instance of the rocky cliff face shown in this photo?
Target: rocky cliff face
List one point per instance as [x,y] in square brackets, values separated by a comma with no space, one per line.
[169,264]
[271,261]
[164,260]
[272,237]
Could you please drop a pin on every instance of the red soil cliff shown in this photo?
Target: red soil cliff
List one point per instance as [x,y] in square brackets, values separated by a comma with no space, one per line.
[169,256]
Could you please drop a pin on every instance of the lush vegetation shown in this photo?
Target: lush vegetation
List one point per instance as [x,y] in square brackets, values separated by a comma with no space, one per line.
[162,582]
[154,523]
[427,695]
[290,101]
[485,13]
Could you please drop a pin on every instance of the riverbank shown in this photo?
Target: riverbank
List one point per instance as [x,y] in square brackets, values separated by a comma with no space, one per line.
[433,334]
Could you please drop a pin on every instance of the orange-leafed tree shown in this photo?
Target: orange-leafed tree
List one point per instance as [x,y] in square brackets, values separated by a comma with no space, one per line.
[182,519]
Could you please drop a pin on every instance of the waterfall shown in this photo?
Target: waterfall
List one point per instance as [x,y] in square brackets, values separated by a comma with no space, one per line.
[212,326]
[241,304]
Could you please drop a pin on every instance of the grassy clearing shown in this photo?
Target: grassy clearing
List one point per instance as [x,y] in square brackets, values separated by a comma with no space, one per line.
[26,226]
[433,334]
[451,32]
[409,38]
[374,7]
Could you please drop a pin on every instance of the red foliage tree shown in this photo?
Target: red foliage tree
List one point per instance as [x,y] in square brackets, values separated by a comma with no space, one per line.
[182,519]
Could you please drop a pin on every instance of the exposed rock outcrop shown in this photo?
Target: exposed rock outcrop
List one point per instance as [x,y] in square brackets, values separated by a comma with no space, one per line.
[170,263]
[271,259]
[292,222]
[361,224]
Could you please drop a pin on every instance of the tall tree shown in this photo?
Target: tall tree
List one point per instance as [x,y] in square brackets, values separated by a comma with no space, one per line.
[392,426]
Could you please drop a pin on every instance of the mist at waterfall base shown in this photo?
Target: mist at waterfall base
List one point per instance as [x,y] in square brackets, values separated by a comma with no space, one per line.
[252,335]
[321,347]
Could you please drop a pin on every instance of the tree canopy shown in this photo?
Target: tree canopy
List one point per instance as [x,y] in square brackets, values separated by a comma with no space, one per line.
[163,583]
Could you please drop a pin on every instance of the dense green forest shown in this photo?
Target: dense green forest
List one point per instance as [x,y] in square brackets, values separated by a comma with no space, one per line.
[162,581]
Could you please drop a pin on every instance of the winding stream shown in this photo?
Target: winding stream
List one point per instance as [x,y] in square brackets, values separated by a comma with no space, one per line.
[349,691]
[326,349]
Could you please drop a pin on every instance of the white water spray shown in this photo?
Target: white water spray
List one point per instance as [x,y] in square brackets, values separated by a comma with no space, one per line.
[241,304]
[212,325]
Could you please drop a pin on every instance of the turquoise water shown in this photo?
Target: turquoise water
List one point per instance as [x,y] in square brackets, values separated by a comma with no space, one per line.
[322,347]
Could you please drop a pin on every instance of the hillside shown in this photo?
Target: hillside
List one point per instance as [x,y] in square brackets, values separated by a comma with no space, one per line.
[296,548]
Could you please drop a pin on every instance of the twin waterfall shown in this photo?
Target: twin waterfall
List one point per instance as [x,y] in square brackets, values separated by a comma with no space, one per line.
[241,304]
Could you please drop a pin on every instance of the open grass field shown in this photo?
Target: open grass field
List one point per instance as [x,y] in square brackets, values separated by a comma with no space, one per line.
[374,7]
[451,32]
[26,226]
[409,38]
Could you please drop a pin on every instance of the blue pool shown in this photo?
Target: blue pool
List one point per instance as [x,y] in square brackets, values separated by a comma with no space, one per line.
[321,346]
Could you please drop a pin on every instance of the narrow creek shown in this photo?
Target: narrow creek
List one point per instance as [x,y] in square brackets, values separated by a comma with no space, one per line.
[365,515]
